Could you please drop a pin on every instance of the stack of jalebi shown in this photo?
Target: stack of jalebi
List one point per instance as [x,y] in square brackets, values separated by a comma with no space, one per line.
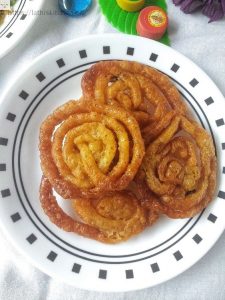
[123,154]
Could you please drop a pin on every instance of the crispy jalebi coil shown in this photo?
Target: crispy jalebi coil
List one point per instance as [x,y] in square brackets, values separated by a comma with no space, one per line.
[88,149]
[118,215]
[58,217]
[161,81]
[180,167]
[146,92]
[110,219]
[148,201]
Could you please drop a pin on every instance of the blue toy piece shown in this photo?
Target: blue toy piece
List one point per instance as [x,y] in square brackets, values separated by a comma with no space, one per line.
[74,8]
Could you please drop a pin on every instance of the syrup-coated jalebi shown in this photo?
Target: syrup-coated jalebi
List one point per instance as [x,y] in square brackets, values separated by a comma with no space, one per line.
[109,219]
[87,149]
[149,94]
[180,167]
[118,215]
[93,153]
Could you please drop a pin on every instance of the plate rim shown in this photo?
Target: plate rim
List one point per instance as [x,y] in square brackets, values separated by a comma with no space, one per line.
[33,18]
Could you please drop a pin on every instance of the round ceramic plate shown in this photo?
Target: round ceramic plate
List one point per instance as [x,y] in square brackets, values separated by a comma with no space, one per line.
[161,251]
[17,24]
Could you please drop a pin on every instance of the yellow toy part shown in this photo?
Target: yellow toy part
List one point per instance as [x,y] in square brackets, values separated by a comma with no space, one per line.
[131,5]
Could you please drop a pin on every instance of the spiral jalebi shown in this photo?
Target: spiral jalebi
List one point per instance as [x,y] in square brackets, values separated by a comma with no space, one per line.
[118,215]
[180,167]
[109,219]
[149,94]
[87,149]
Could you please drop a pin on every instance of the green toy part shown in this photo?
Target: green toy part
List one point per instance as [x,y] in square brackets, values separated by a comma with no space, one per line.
[126,21]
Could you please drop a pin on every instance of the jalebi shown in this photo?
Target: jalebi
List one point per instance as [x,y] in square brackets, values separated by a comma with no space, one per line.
[149,94]
[109,219]
[88,149]
[180,167]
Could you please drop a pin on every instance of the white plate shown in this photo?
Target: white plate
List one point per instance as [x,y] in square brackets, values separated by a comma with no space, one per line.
[160,252]
[18,23]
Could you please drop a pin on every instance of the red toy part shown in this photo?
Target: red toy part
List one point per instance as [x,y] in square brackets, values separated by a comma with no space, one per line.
[152,22]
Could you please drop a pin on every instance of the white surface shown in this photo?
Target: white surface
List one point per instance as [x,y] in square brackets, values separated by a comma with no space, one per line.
[192,36]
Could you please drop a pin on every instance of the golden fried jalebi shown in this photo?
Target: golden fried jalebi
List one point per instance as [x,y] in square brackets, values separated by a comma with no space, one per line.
[58,217]
[149,94]
[118,215]
[109,219]
[92,153]
[180,168]
[142,192]
[87,149]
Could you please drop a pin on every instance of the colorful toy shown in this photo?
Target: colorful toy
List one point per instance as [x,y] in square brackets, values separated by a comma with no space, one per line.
[126,21]
[152,22]
[131,5]
[74,8]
